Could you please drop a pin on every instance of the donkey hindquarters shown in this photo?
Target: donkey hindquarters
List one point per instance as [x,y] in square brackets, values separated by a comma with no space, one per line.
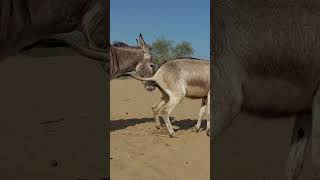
[170,100]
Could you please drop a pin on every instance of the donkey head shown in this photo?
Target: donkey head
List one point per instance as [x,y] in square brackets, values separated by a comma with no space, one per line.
[145,68]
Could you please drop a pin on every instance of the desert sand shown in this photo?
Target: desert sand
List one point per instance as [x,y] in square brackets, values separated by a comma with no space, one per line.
[53,112]
[139,151]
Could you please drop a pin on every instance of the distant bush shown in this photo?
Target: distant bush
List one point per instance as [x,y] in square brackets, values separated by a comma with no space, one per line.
[164,49]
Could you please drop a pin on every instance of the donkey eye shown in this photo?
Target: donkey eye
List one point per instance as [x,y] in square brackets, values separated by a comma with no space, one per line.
[152,65]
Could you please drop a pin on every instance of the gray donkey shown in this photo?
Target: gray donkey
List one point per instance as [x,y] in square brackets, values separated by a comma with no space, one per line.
[267,62]
[176,79]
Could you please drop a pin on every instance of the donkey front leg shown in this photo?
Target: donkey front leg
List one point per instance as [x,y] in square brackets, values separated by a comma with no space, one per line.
[316,137]
[299,140]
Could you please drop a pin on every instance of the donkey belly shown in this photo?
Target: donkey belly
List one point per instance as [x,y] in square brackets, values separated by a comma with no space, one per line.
[276,97]
[196,92]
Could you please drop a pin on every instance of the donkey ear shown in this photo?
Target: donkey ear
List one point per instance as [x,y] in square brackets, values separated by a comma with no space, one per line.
[137,43]
[141,40]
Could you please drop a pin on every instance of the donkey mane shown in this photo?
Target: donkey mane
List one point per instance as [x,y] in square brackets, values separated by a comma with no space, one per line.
[123,44]
[191,58]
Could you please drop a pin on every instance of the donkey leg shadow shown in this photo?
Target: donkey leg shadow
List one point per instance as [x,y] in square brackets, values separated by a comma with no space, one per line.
[124,123]
[184,124]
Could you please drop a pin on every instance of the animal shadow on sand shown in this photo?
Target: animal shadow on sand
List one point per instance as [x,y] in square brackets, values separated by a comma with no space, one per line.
[183,124]
[186,124]
[124,123]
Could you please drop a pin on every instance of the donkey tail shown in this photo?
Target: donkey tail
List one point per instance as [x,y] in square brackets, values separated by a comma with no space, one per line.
[136,76]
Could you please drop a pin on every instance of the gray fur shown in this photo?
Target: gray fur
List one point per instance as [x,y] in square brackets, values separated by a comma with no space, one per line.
[23,23]
[125,58]
[266,62]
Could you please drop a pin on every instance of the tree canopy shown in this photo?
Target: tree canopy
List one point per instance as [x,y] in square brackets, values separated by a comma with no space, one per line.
[164,49]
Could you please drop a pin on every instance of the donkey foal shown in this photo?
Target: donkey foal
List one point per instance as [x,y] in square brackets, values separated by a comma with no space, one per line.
[179,78]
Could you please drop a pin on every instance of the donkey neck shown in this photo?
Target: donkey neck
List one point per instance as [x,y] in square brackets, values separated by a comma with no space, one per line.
[124,59]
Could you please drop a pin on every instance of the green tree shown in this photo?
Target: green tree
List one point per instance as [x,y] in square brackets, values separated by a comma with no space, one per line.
[164,49]
[182,49]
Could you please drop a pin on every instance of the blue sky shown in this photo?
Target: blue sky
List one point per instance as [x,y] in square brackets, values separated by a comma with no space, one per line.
[175,19]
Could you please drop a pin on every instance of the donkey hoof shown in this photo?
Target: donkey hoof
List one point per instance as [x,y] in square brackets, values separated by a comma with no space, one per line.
[158,126]
[195,129]
[208,133]
[173,135]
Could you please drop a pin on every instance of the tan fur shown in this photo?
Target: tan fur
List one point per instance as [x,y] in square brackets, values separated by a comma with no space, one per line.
[176,79]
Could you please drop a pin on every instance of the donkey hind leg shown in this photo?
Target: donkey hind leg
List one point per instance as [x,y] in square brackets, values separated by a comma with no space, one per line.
[208,114]
[155,108]
[316,137]
[299,140]
[201,113]
[174,100]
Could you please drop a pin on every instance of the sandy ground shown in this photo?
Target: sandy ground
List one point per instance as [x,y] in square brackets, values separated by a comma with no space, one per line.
[53,111]
[141,152]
